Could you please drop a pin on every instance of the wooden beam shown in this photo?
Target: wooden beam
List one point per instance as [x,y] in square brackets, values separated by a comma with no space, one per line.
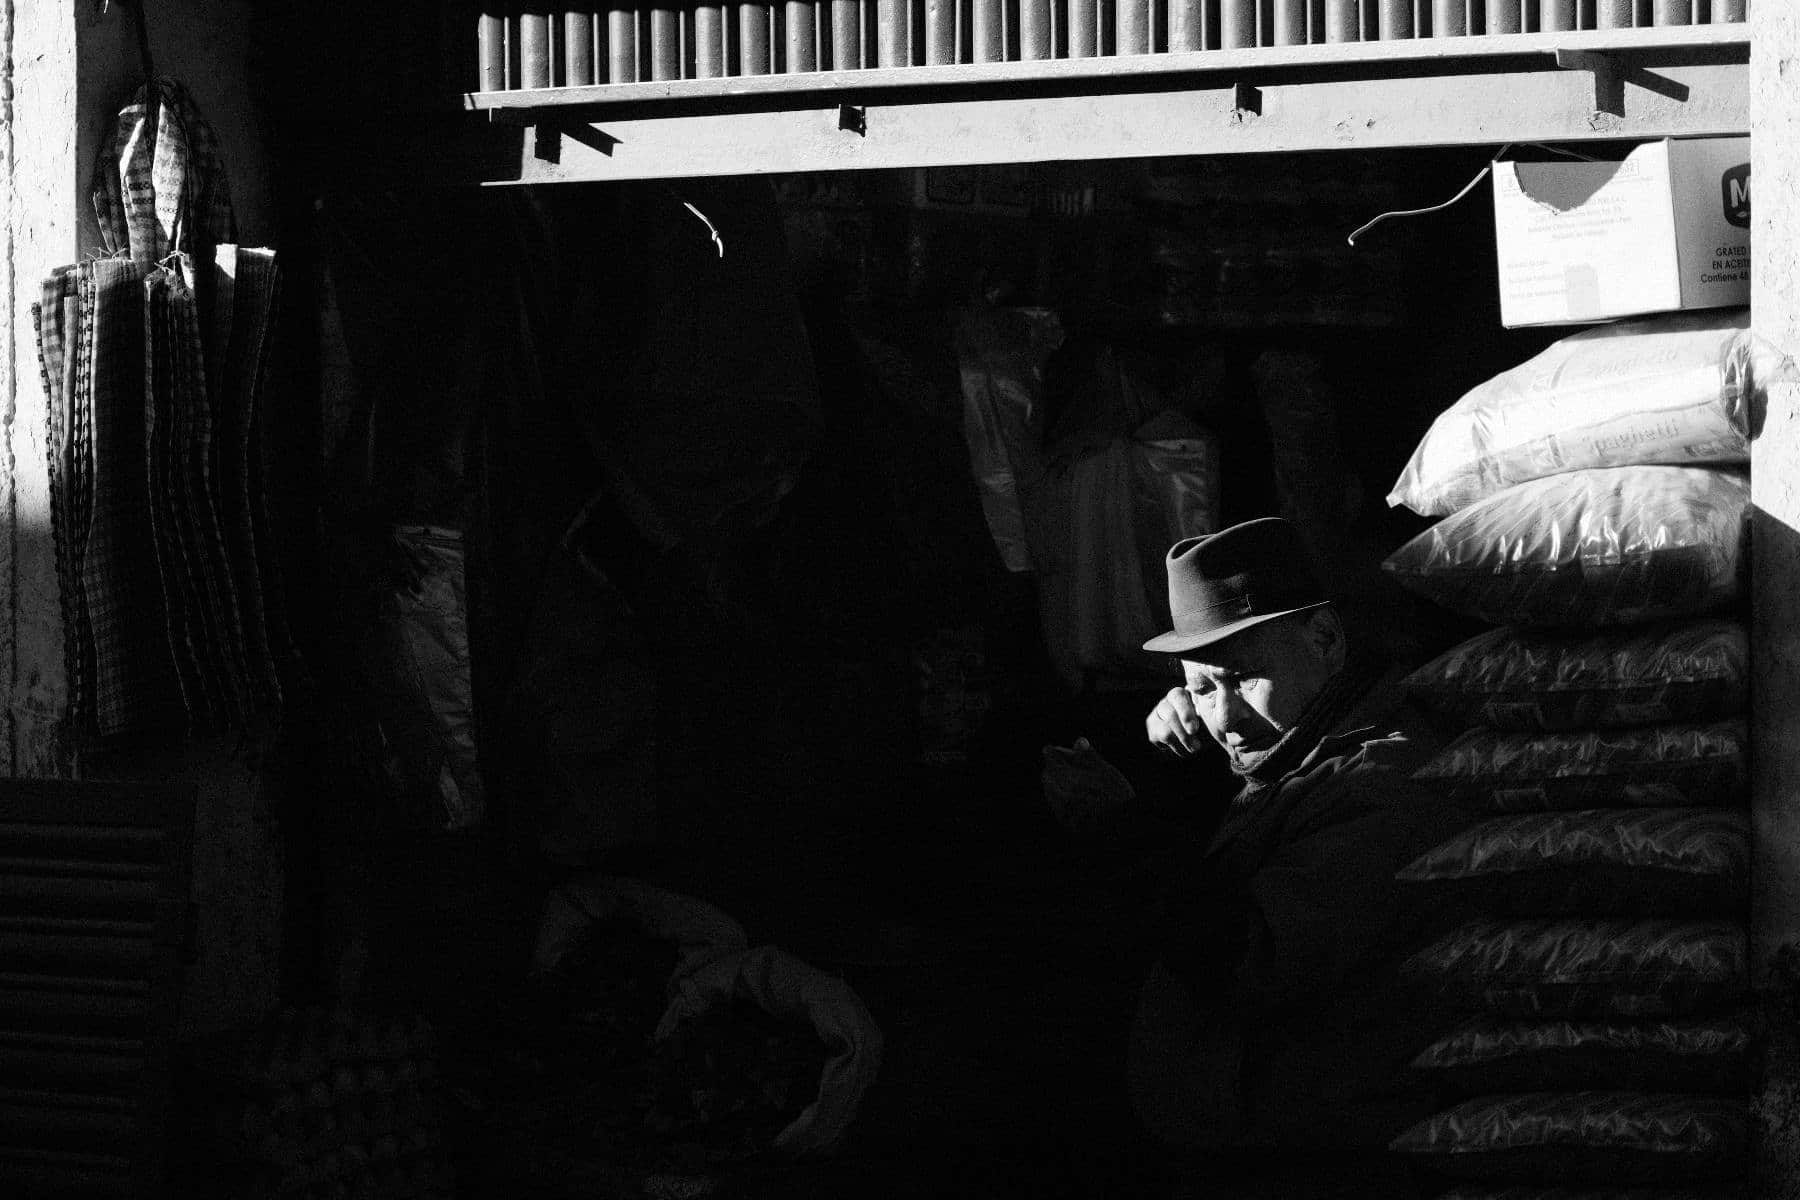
[1143,117]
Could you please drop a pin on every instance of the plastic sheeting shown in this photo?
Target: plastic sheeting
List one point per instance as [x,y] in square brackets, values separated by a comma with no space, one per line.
[1002,353]
[1613,546]
[1116,495]
[1667,861]
[1693,841]
[1674,390]
[1587,967]
[1670,765]
[1597,1137]
[1536,680]
[1487,1054]
[1090,505]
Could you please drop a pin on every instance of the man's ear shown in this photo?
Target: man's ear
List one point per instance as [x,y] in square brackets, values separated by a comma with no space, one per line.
[1325,631]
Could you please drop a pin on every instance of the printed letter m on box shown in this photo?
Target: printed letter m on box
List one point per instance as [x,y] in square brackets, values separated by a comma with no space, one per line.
[1735,188]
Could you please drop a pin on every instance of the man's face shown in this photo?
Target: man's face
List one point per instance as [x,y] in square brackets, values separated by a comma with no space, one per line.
[1252,687]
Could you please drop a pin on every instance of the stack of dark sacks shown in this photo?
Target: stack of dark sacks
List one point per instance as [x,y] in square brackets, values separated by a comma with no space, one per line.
[1594,504]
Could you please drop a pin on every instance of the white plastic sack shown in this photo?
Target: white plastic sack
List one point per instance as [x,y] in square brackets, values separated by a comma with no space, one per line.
[1609,546]
[1673,390]
[785,987]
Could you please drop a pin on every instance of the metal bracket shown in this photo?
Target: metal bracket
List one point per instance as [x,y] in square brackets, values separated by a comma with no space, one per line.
[548,132]
[1246,102]
[1611,73]
[853,118]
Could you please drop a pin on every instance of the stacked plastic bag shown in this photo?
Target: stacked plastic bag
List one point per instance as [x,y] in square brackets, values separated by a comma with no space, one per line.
[1594,504]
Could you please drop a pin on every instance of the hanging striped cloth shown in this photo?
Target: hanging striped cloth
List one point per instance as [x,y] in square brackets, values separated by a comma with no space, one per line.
[160,185]
[180,584]
[57,319]
[183,414]
[153,362]
[245,290]
[133,677]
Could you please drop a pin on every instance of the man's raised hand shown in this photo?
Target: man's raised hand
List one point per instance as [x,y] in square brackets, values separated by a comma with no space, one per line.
[1175,725]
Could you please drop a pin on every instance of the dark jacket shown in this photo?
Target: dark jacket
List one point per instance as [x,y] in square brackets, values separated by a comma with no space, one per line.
[1273,1018]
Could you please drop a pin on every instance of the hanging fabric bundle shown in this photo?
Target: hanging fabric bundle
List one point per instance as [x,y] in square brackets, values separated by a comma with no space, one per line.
[153,360]
[160,185]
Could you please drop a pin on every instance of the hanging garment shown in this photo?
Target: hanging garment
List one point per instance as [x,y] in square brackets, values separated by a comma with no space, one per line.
[153,361]
[133,675]
[57,320]
[246,287]
[181,406]
[160,185]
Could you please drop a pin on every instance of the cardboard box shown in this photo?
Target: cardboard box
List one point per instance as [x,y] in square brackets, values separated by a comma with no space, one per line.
[1666,228]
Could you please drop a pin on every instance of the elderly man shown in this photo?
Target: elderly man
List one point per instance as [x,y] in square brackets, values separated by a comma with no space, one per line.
[1270,1047]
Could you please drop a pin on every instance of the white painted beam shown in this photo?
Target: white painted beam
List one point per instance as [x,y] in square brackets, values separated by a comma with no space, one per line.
[1140,118]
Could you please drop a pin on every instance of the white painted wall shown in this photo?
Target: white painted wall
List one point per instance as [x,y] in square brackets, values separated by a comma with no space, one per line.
[38,91]
[1775,480]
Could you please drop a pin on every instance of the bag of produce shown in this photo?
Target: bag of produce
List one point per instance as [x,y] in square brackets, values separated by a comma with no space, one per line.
[1601,862]
[1586,1137]
[609,949]
[1674,390]
[1548,680]
[1497,1054]
[1609,546]
[713,1048]
[1577,967]
[1671,766]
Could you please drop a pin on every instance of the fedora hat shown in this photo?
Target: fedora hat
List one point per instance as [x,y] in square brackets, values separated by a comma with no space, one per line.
[1224,583]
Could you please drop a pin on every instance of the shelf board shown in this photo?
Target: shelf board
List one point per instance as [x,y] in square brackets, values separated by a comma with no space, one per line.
[1596,85]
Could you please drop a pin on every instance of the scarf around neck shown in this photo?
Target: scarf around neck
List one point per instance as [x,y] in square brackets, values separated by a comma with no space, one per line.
[1340,695]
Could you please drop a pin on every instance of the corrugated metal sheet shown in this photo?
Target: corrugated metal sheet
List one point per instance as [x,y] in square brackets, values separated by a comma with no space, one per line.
[535,47]
[93,920]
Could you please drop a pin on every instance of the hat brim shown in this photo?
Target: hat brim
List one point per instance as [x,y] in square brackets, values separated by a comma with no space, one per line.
[1175,642]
